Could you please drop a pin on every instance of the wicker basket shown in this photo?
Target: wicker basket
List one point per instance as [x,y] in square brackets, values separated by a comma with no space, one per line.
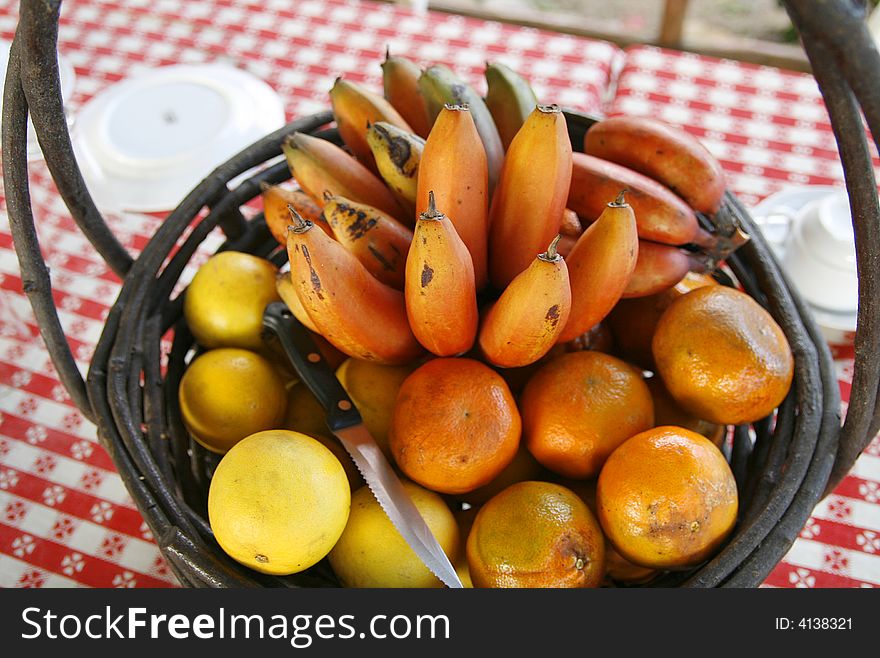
[783,463]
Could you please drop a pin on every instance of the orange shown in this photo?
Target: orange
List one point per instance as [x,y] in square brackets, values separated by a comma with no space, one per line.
[536,534]
[722,356]
[632,322]
[455,425]
[666,498]
[579,407]
[668,412]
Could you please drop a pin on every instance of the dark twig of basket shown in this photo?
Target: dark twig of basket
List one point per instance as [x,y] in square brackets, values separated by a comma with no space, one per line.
[34,273]
[781,475]
[38,29]
[846,63]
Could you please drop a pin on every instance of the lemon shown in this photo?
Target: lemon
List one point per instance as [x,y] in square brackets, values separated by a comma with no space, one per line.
[304,413]
[371,553]
[278,502]
[224,303]
[373,388]
[227,394]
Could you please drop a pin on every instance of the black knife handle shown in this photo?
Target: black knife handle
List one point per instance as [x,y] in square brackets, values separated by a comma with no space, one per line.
[311,366]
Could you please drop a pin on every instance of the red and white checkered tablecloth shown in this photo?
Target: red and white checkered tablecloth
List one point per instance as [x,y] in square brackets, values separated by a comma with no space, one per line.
[65,517]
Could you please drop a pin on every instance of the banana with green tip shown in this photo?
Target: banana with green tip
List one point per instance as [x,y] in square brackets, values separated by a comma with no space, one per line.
[441,86]
[510,99]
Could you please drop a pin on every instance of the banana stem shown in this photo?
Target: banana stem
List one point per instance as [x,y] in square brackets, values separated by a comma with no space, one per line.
[431,213]
[619,202]
[551,255]
[300,225]
[719,247]
[708,259]
[701,263]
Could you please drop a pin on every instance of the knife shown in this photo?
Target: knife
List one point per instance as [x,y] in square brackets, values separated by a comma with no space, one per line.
[344,420]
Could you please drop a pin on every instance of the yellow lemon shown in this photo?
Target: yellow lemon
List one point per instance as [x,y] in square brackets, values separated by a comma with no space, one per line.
[371,553]
[373,389]
[227,394]
[224,303]
[304,413]
[278,502]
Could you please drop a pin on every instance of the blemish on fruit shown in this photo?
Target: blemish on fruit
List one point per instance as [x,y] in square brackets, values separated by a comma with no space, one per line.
[375,253]
[262,559]
[552,316]
[313,276]
[427,275]
[399,152]
[361,223]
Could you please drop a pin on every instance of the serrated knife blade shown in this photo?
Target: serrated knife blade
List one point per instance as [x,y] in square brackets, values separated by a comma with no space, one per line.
[344,421]
[393,498]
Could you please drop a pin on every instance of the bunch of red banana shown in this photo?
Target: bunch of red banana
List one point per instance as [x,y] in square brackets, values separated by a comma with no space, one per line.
[453,224]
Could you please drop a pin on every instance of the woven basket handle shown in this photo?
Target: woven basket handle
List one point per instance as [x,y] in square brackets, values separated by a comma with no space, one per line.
[33,87]
[846,65]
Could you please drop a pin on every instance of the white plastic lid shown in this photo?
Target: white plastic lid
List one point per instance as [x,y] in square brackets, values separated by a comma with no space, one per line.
[145,142]
[67,77]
